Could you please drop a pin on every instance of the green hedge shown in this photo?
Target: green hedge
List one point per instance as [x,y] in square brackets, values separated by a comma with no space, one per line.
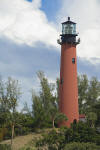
[81,146]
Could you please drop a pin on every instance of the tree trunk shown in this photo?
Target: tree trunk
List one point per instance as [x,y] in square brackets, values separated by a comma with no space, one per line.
[12,135]
[93,124]
[53,123]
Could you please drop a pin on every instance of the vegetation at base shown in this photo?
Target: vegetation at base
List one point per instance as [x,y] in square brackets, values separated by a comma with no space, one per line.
[5,147]
[44,112]
[27,148]
[81,146]
[79,132]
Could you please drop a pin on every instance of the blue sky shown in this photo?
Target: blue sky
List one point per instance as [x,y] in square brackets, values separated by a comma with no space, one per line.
[51,8]
[28,35]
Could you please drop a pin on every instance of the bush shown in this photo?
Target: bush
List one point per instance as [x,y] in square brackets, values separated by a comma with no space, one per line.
[57,139]
[22,131]
[3,132]
[27,148]
[53,140]
[8,134]
[25,130]
[5,147]
[81,146]
[81,132]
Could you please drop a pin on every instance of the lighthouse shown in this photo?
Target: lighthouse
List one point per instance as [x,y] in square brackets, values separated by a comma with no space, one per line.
[68,94]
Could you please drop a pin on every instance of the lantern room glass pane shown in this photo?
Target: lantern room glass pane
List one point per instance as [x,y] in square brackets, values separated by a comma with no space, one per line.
[68,28]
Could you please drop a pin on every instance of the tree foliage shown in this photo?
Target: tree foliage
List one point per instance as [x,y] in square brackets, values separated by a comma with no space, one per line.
[45,113]
[45,106]
[83,85]
[89,93]
[9,95]
[91,119]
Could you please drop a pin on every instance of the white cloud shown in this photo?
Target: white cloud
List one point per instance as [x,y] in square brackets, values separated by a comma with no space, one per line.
[36,3]
[86,13]
[24,22]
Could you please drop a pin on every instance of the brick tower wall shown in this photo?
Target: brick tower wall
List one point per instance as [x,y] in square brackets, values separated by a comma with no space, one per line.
[68,84]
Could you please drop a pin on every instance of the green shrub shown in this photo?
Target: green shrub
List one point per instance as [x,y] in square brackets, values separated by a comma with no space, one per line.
[22,131]
[8,134]
[25,130]
[27,148]
[53,141]
[3,132]
[57,139]
[81,146]
[5,147]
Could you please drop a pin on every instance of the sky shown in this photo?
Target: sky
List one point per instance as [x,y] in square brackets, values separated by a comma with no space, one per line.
[29,30]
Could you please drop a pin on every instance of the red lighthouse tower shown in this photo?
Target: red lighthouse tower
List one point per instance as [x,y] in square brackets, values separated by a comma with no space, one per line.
[68,73]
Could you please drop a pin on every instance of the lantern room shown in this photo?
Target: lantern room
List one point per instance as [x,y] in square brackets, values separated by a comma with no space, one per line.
[68,33]
[69,27]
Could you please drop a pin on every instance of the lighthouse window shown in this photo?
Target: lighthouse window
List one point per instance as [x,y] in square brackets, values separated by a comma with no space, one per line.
[61,82]
[73,60]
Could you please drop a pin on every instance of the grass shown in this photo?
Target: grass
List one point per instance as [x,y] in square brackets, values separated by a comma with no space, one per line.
[23,142]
